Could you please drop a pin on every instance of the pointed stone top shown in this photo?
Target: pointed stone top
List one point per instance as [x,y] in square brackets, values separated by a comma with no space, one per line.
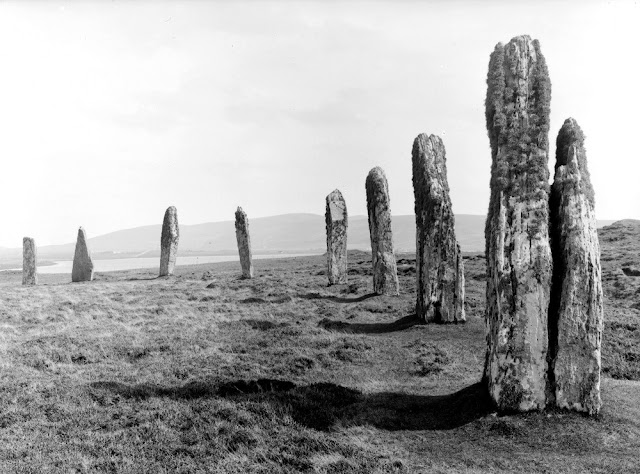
[239,210]
[570,134]
[570,151]
[335,195]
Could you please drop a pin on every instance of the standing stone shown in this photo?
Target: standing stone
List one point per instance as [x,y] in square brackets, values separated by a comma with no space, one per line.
[244,243]
[385,275]
[82,263]
[439,268]
[336,221]
[29,261]
[517,231]
[576,312]
[169,241]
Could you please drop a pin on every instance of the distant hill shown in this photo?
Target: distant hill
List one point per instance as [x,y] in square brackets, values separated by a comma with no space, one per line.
[288,233]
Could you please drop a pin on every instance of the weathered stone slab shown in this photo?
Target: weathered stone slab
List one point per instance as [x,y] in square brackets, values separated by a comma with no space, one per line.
[244,243]
[29,261]
[576,312]
[385,275]
[517,231]
[336,220]
[82,264]
[169,241]
[439,267]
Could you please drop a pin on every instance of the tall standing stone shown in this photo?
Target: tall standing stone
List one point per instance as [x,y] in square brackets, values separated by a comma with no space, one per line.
[336,221]
[169,241]
[576,312]
[244,243]
[385,275]
[82,264]
[29,261]
[439,268]
[517,231]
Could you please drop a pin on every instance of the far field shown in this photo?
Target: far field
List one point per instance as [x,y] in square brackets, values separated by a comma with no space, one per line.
[205,372]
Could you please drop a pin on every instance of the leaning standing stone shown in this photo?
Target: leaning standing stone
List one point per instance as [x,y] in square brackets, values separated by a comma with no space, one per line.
[169,241]
[244,243]
[385,276]
[336,221]
[29,261]
[82,263]
[439,268]
[576,313]
[517,230]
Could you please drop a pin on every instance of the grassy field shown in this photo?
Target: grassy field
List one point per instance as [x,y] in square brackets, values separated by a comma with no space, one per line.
[205,372]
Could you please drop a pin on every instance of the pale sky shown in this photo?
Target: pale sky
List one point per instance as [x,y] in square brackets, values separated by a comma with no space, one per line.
[111,111]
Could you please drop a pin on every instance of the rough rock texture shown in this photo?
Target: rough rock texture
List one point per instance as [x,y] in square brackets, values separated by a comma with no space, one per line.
[439,268]
[169,241]
[385,275]
[576,311]
[82,264]
[244,243]
[336,221]
[29,262]
[517,231]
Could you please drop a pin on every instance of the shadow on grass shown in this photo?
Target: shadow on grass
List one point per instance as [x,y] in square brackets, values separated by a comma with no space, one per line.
[143,278]
[336,299]
[321,405]
[371,328]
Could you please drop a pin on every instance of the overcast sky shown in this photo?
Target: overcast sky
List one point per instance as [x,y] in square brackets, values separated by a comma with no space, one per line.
[112,111]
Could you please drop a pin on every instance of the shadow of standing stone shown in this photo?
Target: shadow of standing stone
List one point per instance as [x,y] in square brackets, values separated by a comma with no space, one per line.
[29,261]
[169,241]
[82,264]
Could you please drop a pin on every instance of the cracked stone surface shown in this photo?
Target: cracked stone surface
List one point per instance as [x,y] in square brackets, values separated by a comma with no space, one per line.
[385,275]
[439,267]
[336,220]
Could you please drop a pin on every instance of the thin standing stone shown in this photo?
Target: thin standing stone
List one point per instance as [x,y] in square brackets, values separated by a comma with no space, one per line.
[517,227]
[29,261]
[336,221]
[385,275]
[439,267]
[82,263]
[244,243]
[169,241]
[576,312]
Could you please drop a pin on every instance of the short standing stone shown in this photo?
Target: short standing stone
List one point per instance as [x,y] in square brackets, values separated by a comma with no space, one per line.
[244,243]
[385,275]
[576,311]
[169,241]
[29,261]
[82,263]
[336,221]
[439,268]
[517,227]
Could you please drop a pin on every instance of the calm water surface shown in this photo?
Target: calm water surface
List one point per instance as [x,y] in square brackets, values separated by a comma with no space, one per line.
[112,265]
